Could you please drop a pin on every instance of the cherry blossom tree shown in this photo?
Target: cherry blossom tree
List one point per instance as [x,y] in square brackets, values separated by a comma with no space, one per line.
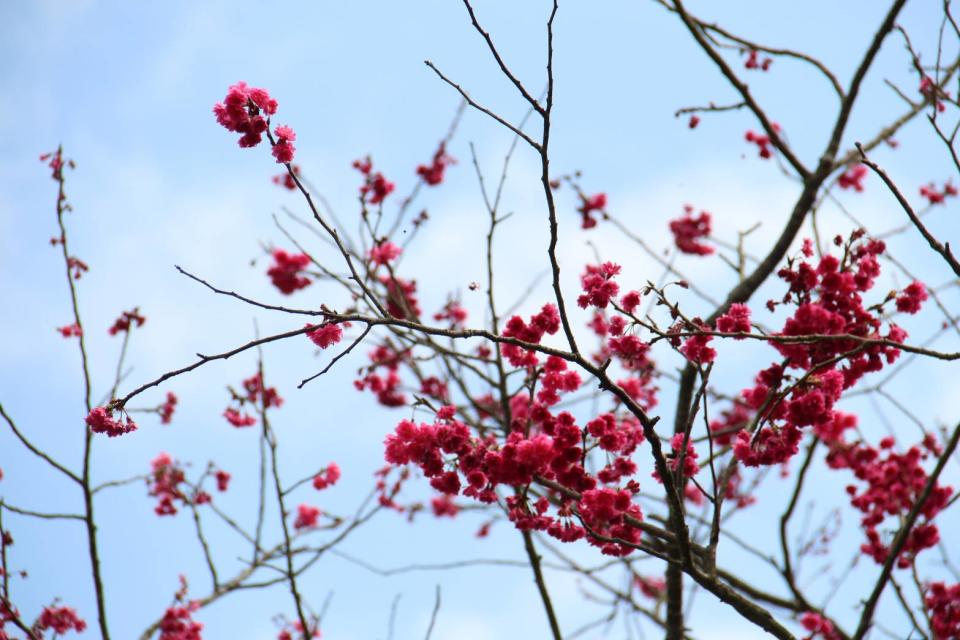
[620,424]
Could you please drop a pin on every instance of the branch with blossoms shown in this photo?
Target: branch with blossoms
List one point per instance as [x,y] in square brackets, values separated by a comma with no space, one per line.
[829,329]
[554,426]
[168,483]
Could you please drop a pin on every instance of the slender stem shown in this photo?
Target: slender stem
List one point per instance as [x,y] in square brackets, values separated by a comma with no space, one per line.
[534,558]
[544,149]
[433,615]
[40,514]
[38,452]
[207,556]
[62,207]
[696,30]
[936,245]
[291,574]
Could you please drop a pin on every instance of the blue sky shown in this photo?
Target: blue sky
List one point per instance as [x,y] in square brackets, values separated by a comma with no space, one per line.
[128,88]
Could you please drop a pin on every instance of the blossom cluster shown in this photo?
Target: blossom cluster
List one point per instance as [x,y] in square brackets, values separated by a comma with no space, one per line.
[286,271]
[402,299]
[938,196]
[893,484]
[238,419]
[178,624]
[932,92]
[58,619]
[375,187]
[547,321]
[652,587]
[598,285]
[688,231]
[325,335]
[819,627]
[71,330]
[762,141]
[452,312]
[432,174]
[77,266]
[56,163]
[126,321]
[696,348]
[754,62]
[327,478]
[829,302]
[853,177]
[942,603]
[384,253]
[223,480]
[101,420]
[258,393]
[168,407]
[283,148]
[589,205]
[286,179]
[7,611]
[246,110]
[164,484]
[628,350]
[385,386]
[254,393]
[307,517]
[540,445]
[243,111]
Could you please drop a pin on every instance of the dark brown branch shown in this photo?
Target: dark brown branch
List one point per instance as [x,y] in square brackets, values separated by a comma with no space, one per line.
[205,359]
[942,249]
[481,108]
[503,67]
[709,108]
[748,609]
[37,452]
[847,106]
[39,514]
[748,589]
[291,575]
[93,550]
[548,191]
[333,361]
[852,155]
[774,51]
[775,139]
[534,559]
[333,233]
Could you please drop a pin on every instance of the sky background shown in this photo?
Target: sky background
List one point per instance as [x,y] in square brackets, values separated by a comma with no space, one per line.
[128,88]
